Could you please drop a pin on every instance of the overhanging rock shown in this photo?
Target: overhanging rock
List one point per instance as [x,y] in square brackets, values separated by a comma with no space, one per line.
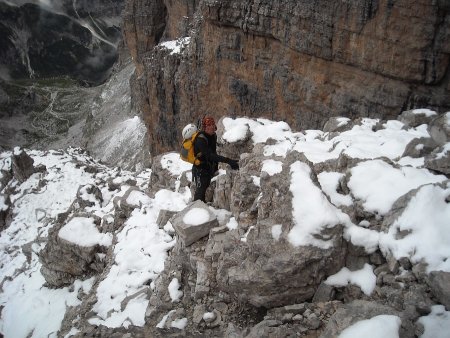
[194,222]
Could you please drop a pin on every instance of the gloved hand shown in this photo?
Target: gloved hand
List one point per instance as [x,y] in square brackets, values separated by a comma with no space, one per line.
[234,164]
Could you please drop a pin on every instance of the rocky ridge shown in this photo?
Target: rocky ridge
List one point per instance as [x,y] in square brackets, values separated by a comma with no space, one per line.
[245,278]
[296,61]
[252,291]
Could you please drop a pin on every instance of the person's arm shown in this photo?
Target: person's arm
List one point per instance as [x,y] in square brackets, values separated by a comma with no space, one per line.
[208,155]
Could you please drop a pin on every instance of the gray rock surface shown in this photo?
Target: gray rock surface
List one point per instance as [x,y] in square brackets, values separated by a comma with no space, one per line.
[22,166]
[353,312]
[162,178]
[337,124]
[414,118]
[439,128]
[419,147]
[439,282]
[439,160]
[64,261]
[5,208]
[164,216]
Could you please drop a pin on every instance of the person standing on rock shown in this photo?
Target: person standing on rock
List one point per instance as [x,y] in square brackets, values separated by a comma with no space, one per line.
[205,150]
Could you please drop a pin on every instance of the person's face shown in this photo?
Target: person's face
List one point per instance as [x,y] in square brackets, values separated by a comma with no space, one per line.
[210,129]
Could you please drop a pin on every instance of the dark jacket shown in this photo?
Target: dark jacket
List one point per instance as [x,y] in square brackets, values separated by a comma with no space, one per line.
[206,145]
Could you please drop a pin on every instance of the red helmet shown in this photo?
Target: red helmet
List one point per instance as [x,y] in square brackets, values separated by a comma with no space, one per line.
[208,121]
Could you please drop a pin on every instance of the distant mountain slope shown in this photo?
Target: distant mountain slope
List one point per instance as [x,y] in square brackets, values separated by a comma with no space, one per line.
[45,40]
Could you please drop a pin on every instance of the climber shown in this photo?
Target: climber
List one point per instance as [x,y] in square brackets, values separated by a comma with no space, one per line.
[205,151]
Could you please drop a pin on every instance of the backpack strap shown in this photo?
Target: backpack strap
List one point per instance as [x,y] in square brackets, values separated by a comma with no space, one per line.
[200,135]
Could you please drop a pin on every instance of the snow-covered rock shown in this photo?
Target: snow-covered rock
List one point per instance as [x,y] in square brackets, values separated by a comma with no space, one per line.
[194,222]
[317,233]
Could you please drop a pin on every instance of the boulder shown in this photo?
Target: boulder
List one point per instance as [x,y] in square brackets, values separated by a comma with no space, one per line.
[324,293]
[439,128]
[222,192]
[64,259]
[337,124]
[286,273]
[439,160]
[164,216]
[419,147]
[22,165]
[202,281]
[194,222]
[162,178]
[5,207]
[89,195]
[439,282]
[5,177]
[353,312]
[124,205]
[415,117]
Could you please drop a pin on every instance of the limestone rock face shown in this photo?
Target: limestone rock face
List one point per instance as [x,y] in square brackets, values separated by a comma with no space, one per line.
[296,61]
[146,23]
[143,26]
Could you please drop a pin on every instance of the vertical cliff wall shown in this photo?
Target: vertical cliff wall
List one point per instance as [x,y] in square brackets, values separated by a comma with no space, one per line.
[298,61]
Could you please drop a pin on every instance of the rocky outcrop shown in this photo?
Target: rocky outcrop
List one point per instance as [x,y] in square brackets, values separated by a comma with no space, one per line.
[145,23]
[282,287]
[286,60]
[194,222]
[22,166]
[64,259]
[259,260]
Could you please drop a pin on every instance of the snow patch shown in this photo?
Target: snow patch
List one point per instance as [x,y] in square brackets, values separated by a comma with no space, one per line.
[196,216]
[176,46]
[364,278]
[83,232]
[382,326]
[174,292]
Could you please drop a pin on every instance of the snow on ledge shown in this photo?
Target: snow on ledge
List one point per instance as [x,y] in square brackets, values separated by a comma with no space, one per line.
[175,46]
[382,326]
[196,216]
[272,167]
[83,232]
[426,112]
[364,278]
[174,292]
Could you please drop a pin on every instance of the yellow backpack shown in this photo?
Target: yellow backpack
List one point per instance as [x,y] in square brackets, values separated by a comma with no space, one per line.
[187,149]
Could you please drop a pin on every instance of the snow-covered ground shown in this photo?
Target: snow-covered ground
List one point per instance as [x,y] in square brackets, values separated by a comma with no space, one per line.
[140,251]
[140,247]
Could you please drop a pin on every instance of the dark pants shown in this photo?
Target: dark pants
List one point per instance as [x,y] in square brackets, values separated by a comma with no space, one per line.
[202,180]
